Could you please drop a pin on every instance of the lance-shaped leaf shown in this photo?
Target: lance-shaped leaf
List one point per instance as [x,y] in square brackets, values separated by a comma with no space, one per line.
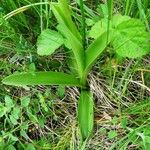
[41,78]
[62,13]
[95,49]
[48,41]
[85,114]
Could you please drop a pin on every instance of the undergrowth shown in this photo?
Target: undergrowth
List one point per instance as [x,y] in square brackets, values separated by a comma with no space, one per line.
[44,117]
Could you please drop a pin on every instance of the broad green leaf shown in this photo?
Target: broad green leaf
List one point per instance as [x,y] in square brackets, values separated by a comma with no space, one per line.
[101,26]
[48,41]
[94,50]
[98,29]
[85,113]
[61,28]
[89,22]
[130,38]
[1,139]
[42,78]
[119,19]
[146,141]
[70,55]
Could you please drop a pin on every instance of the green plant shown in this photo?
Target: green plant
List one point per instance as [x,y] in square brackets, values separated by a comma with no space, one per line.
[126,35]
[139,132]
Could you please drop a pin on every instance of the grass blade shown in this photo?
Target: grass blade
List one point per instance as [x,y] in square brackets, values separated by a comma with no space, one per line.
[142,14]
[110,12]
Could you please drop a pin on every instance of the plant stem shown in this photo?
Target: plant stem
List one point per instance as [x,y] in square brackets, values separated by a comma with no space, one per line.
[22,9]
[83,31]
[97,2]
[110,8]
[47,13]
[127,7]
[83,145]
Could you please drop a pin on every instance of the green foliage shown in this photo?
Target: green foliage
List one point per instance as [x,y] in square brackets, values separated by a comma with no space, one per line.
[3,110]
[25,101]
[30,147]
[63,15]
[94,50]
[85,113]
[41,78]
[48,42]
[129,39]
[8,103]
[112,134]
[127,36]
